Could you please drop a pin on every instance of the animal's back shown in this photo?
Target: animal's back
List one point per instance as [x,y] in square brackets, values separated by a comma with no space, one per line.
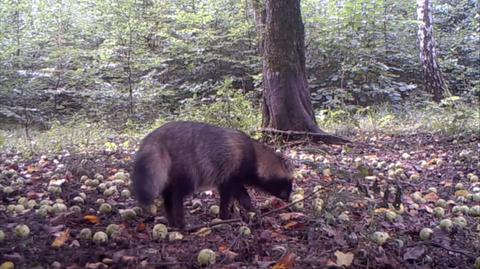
[204,154]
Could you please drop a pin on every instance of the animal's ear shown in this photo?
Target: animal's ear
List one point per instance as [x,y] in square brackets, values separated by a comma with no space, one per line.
[287,164]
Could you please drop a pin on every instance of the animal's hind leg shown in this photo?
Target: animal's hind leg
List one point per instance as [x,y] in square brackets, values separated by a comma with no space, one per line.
[173,202]
[243,198]
[225,200]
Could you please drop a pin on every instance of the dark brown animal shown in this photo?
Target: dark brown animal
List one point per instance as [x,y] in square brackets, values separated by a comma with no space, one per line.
[180,158]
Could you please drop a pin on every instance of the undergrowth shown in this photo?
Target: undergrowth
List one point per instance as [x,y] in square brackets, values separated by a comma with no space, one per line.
[452,117]
[76,135]
[227,108]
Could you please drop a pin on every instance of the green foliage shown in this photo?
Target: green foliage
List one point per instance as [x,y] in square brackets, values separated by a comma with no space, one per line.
[171,57]
[364,52]
[228,108]
[76,135]
[456,118]
[2,139]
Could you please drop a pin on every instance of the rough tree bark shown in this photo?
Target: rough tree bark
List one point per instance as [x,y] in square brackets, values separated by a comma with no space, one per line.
[434,81]
[286,98]
[287,108]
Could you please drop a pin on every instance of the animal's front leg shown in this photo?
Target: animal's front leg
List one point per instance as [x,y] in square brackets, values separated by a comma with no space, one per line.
[225,200]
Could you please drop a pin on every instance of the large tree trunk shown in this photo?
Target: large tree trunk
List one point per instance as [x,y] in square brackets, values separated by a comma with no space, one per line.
[434,81]
[286,98]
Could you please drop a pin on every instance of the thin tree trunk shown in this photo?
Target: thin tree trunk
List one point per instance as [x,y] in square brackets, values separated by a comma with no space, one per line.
[385,29]
[259,14]
[434,81]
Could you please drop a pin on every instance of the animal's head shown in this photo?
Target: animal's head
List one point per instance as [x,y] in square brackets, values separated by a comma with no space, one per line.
[275,173]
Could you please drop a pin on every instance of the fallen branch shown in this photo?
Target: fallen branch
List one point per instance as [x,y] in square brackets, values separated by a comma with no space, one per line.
[438,245]
[209,225]
[324,137]
[291,204]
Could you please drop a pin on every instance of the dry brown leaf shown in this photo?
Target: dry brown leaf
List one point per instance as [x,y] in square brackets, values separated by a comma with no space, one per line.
[273,203]
[223,247]
[291,216]
[293,225]
[331,263]
[344,259]
[225,250]
[32,168]
[461,193]
[431,197]
[61,239]
[92,219]
[141,227]
[128,259]
[286,262]
[327,178]
[414,253]
[381,210]
[447,183]
[95,265]
[34,195]
[203,232]
[268,235]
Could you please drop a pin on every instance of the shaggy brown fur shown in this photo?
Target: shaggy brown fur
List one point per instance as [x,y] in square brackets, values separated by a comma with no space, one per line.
[180,158]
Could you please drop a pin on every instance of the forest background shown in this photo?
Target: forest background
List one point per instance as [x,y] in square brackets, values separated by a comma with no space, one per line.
[106,67]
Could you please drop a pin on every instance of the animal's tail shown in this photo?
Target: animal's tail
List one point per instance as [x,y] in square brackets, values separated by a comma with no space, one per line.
[150,174]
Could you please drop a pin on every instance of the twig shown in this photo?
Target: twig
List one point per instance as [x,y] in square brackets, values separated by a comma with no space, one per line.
[291,204]
[158,264]
[438,245]
[327,138]
[209,225]
[232,245]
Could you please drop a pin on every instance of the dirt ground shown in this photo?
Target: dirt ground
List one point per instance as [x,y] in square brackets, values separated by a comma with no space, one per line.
[360,186]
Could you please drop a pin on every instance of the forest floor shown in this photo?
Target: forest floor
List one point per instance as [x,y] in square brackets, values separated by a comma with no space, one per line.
[389,184]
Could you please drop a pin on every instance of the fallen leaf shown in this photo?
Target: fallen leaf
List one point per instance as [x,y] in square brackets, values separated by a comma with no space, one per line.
[203,232]
[95,265]
[286,262]
[273,203]
[461,193]
[344,259]
[34,195]
[291,216]
[53,229]
[431,197]
[381,211]
[293,225]
[61,218]
[331,264]
[141,227]
[32,168]
[388,262]
[269,236]
[447,183]
[61,239]
[414,253]
[56,182]
[128,259]
[225,250]
[92,219]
